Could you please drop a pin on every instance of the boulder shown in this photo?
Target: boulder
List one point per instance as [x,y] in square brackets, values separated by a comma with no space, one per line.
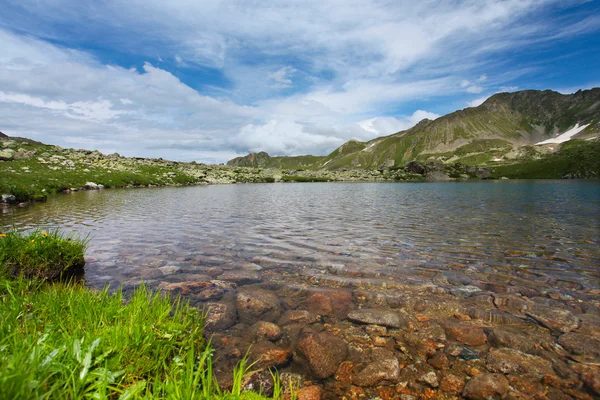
[586,348]
[266,330]
[510,361]
[486,387]
[219,316]
[553,318]
[377,317]
[461,331]
[8,198]
[378,372]
[7,155]
[415,167]
[255,304]
[323,352]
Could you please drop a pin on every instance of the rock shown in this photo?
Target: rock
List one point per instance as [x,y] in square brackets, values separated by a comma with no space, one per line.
[202,290]
[336,304]
[430,379]
[435,176]
[452,384]
[592,380]
[267,355]
[219,316]
[471,335]
[91,185]
[241,277]
[553,318]
[486,387]
[510,361]
[7,155]
[323,351]
[378,372]
[266,330]
[313,392]
[439,360]
[298,317]
[8,198]
[415,167]
[257,304]
[586,348]
[377,317]
[259,382]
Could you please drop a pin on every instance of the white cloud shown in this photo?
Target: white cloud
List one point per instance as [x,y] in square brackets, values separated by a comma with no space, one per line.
[477,102]
[281,78]
[508,88]
[344,63]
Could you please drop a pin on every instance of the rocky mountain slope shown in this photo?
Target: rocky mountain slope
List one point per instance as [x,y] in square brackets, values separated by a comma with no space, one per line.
[495,131]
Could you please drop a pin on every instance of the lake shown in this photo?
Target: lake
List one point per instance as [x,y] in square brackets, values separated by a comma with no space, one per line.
[469,265]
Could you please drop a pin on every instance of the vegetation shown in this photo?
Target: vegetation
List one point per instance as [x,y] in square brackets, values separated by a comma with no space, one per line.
[576,159]
[41,255]
[297,178]
[62,340]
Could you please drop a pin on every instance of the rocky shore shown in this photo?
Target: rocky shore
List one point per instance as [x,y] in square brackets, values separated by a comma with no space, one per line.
[454,335]
[32,170]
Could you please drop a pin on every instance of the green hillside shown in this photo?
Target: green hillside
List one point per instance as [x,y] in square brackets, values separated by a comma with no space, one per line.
[495,130]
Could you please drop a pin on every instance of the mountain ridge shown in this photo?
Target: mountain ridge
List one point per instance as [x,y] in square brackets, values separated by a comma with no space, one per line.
[497,129]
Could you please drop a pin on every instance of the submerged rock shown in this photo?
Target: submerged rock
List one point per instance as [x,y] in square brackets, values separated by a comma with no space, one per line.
[510,361]
[554,318]
[219,316]
[377,317]
[486,387]
[379,372]
[257,304]
[323,351]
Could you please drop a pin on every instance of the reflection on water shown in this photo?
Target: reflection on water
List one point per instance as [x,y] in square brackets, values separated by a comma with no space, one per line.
[465,269]
[547,230]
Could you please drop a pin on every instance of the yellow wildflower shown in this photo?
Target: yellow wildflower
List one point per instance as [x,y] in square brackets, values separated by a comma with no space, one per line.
[2,234]
[45,233]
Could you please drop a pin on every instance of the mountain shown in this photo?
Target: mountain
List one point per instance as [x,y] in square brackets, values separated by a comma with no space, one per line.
[3,135]
[494,131]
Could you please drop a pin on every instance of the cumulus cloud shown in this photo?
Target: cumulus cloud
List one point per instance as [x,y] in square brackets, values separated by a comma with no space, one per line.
[356,69]
[281,78]
[477,102]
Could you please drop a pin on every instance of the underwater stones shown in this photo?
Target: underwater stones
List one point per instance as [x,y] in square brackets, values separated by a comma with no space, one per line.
[462,331]
[430,379]
[266,330]
[377,317]
[510,361]
[553,318]
[586,348]
[378,372]
[323,352]
[298,317]
[241,277]
[267,355]
[219,316]
[313,392]
[257,304]
[486,387]
[337,303]
[202,290]
[452,384]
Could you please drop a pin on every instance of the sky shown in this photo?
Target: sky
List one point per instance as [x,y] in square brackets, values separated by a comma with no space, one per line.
[212,80]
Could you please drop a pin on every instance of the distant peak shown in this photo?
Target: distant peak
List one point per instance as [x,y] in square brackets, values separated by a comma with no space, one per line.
[3,135]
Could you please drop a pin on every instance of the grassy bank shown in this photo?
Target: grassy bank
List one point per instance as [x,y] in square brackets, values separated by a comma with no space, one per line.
[575,159]
[62,340]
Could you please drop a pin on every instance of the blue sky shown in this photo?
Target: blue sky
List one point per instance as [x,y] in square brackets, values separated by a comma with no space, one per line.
[209,80]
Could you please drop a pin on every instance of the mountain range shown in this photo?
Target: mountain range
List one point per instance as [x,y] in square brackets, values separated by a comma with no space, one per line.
[500,130]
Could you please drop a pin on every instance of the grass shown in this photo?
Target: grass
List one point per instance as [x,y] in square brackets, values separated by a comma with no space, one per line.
[296,178]
[41,255]
[63,340]
[577,158]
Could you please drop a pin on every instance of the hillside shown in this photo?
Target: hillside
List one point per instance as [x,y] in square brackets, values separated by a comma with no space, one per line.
[494,131]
